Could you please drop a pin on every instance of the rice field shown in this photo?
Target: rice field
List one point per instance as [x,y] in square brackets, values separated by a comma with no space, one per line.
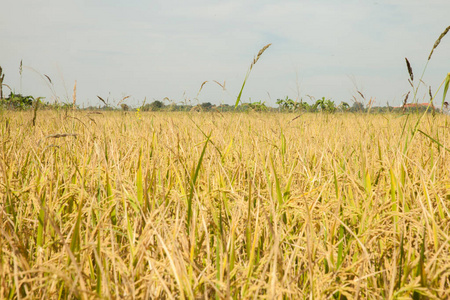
[224,205]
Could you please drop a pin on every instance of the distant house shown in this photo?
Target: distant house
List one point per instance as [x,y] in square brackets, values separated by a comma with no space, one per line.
[417,105]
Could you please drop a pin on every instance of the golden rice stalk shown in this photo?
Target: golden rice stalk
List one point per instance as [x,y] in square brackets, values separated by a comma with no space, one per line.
[248,72]
[438,41]
[410,71]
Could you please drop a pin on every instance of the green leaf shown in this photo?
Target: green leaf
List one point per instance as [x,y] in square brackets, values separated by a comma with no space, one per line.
[447,81]
[242,88]
[194,179]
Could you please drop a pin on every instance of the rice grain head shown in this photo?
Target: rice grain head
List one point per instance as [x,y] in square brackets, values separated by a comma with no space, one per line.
[410,71]
[201,87]
[255,60]
[438,41]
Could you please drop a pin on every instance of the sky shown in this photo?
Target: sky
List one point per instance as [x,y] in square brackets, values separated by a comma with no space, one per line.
[154,50]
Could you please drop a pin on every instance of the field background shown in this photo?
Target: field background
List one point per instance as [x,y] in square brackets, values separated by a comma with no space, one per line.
[224,205]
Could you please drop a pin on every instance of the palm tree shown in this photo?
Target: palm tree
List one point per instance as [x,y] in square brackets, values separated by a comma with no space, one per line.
[330,106]
[344,106]
[321,104]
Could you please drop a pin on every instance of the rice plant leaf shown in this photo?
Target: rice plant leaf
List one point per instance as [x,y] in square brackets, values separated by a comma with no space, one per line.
[41,225]
[447,81]
[242,88]
[432,139]
[139,181]
[113,214]
[340,256]
[97,268]
[400,265]
[75,242]
[194,179]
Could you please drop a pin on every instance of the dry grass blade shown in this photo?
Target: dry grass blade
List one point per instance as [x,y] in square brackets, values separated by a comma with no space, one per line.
[410,71]
[431,94]
[438,41]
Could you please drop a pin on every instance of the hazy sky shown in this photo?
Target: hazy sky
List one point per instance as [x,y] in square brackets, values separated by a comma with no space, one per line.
[156,49]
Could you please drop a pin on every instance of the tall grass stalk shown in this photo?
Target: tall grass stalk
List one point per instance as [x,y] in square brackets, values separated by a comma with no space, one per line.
[255,60]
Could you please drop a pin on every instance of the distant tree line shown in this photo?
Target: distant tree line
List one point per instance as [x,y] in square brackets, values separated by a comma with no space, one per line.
[21,102]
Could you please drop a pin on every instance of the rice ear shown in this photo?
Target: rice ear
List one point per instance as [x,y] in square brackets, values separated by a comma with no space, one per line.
[410,71]
[406,100]
[248,72]
[201,87]
[101,99]
[48,79]
[361,95]
[438,41]
[123,99]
